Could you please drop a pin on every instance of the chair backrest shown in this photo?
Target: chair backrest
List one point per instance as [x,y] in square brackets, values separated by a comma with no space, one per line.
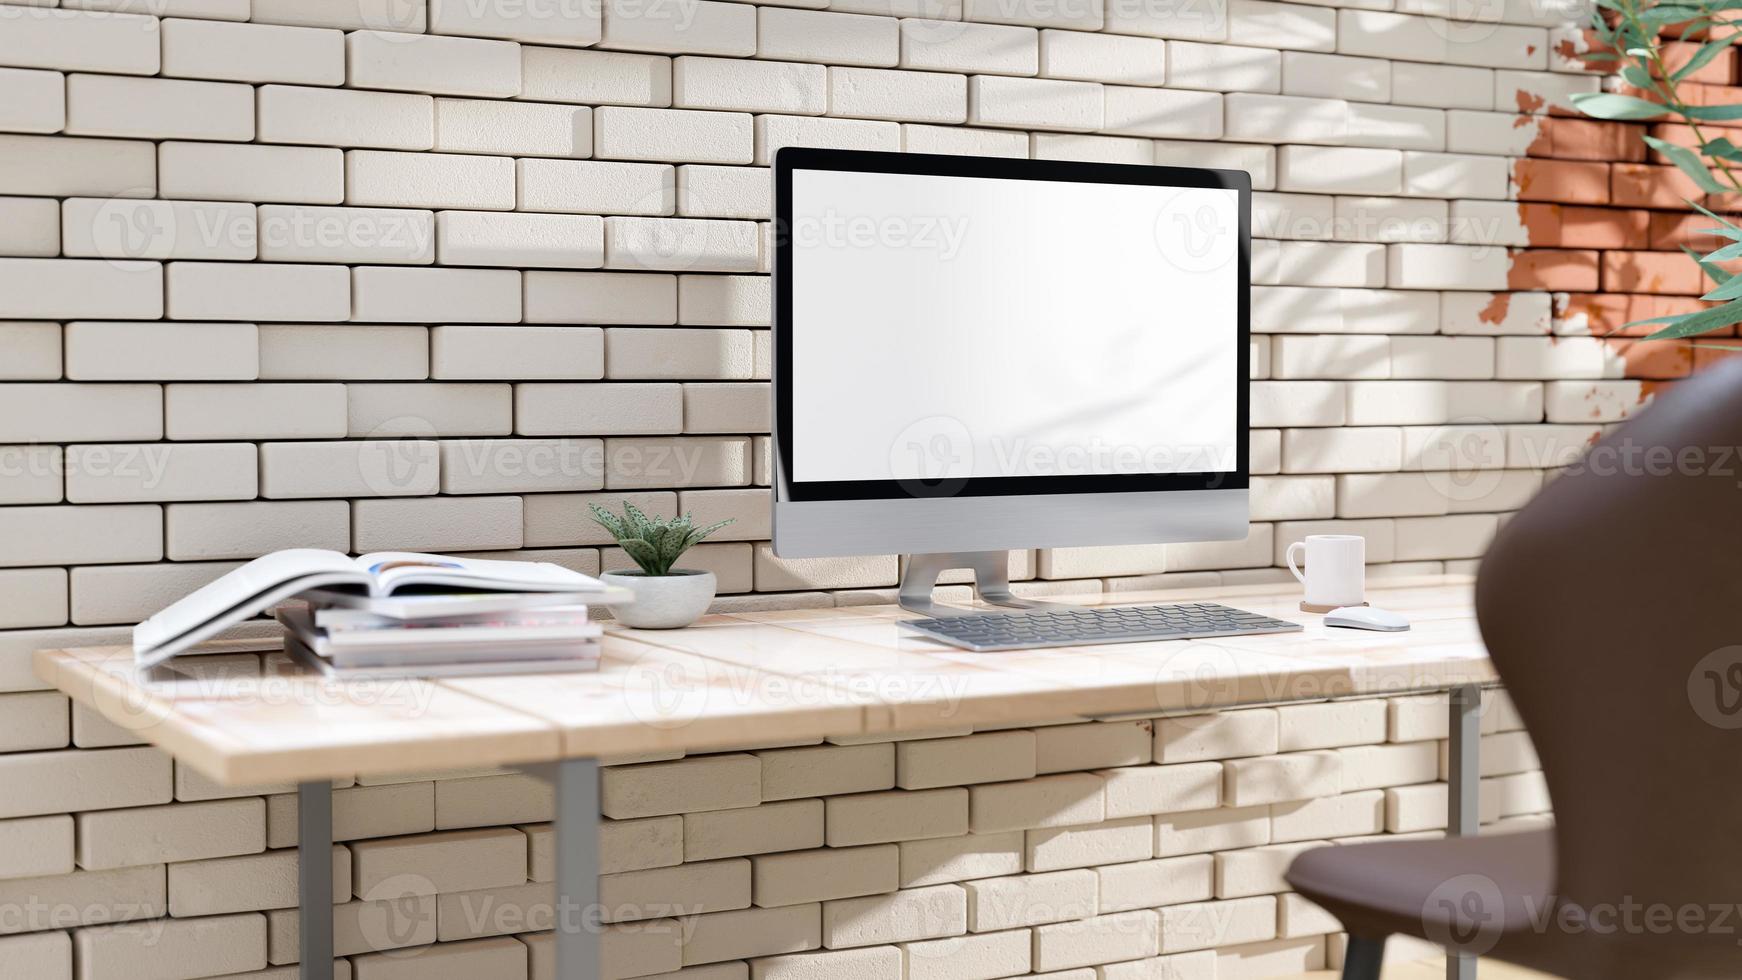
[1612,607]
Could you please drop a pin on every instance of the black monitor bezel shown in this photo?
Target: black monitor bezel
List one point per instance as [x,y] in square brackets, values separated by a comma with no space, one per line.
[789,159]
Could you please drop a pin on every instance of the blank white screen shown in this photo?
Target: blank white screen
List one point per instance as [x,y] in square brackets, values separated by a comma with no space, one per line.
[954,326]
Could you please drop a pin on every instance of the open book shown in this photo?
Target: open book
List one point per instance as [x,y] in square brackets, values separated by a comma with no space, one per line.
[269,580]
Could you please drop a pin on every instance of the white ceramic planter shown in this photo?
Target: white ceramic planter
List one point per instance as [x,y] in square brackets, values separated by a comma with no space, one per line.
[663,602]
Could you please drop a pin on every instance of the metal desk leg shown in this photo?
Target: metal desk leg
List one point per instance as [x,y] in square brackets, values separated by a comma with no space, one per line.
[577,869]
[1465,815]
[314,870]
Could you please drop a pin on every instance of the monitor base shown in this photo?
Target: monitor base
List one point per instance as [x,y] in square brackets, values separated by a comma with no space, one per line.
[991,582]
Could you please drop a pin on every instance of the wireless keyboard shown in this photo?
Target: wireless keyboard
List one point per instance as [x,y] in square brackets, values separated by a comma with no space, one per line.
[1066,626]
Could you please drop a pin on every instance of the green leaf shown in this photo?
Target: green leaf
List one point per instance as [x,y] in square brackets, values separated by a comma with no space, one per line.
[1721,147]
[1688,162]
[1718,273]
[637,521]
[699,534]
[1713,113]
[1728,290]
[1728,253]
[1606,105]
[1693,324]
[1702,57]
[1726,229]
[1639,77]
[1667,14]
[609,522]
[646,556]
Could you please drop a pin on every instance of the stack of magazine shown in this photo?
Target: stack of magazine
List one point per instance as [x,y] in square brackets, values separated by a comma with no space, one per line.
[397,614]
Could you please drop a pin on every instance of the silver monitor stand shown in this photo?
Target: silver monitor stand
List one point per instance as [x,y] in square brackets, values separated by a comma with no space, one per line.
[991,582]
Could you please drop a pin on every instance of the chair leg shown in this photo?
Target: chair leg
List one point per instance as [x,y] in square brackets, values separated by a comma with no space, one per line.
[1362,958]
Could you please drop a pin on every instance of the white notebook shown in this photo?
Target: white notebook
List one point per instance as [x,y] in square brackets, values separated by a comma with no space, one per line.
[271,579]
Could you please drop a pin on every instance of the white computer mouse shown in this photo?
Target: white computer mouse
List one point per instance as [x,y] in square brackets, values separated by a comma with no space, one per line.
[1366,618]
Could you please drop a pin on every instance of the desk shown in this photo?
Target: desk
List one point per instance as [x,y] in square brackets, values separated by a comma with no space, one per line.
[752,678]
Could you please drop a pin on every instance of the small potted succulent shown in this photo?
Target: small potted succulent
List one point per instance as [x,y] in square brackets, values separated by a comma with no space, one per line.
[665,597]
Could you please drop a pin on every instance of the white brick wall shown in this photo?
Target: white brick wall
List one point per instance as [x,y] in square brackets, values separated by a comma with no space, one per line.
[239,237]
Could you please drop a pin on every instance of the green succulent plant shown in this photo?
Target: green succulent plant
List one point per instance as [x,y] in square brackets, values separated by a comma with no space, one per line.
[654,543]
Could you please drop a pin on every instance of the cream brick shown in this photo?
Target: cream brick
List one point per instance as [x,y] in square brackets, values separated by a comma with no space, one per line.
[122,351]
[75,780]
[1029,900]
[600,298]
[1349,815]
[343,235]
[541,22]
[1269,118]
[1049,801]
[690,27]
[1024,103]
[915,913]
[596,187]
[563,519]
[247,883]
[684,786]
[110,105]
[1278,778]
[492,800]
[1390,494]
[405,295]
[437,65]
[1102,58]
[1330,724]
[434,524]
[443,862]
[1413,809]
[80,289]
[429,180]
[1224,735]
[209,945]
[964,957]
[474,126]
[690,888]
[195,532]
[1368,449]
[29,227]
[384,15]
[80,535]
[491,911]
[41,955]
[985,758]
[135,473]
[517,352]
[749,86]
[723,192]
[869,818]
[1064,748]
[681,244]
[257,291]
[789,826]
[36,847]
[34,597]
[252,52]
[595,77]
[1256,870]
[1140,790]
[681,462]
[944,45]
[422,410]
[825,36]
[122,229]
[1103,939]
[341,469]
[540,240]
[504,957]
[874,963]
[1073,16]
[61,165]
[1095,149]
[823,875]
[903,95]
[1205,925]
[1159,113]
[1148,884]
[35,101]
[963,141]
[1339,170]
[359,813]
[41,37]
[750,933]
[31,474]
[1223,68]
[1112,842]
[1383,219]
[601,409]
[774,132]
[82,898]
[33,721]
[931,862]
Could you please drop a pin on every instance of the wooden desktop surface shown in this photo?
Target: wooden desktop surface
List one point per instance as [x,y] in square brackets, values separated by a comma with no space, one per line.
[246,717]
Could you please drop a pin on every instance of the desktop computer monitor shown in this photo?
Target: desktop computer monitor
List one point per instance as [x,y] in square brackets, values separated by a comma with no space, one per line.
[974,354]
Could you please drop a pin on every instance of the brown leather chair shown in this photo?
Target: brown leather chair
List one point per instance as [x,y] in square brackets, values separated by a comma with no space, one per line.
[1612,608]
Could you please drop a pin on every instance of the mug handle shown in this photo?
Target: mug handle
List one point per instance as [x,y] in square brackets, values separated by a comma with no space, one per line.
[1288,556]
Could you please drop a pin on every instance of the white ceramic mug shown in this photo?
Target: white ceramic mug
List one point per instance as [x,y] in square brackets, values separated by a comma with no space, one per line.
[1336,569]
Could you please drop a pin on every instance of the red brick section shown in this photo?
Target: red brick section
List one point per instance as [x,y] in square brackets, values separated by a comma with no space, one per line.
[1607,218]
